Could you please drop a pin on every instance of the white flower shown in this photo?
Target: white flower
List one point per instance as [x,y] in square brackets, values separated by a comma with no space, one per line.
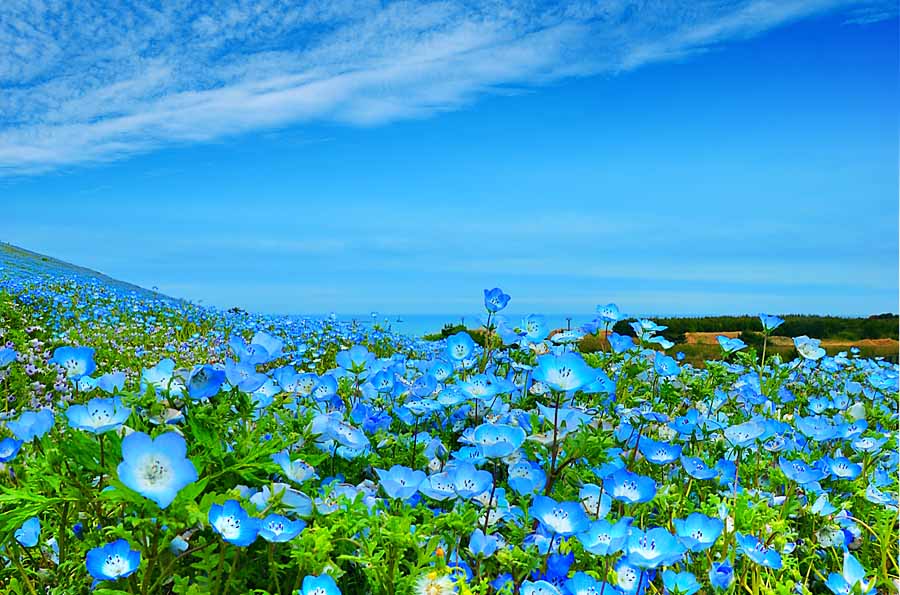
[434,584]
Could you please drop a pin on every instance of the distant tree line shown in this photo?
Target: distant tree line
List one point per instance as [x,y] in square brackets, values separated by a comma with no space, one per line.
[879,326]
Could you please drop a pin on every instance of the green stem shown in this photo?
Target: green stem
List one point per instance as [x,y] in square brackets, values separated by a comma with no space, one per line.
[28,584]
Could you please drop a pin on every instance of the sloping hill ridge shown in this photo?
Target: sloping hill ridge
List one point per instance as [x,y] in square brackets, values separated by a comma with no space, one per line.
[16,261]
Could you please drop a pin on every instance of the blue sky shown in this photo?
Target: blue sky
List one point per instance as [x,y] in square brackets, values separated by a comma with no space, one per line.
[696,157]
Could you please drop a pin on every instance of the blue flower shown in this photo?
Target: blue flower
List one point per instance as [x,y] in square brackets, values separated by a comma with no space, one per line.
[721,575]
[620,343]
[460,346]
[769,322]
[851,580]
[31,424]
[844,468]
[604,538]
[498,440]
[609,313]
[584,584]
[482,545]
[233,523]
[745,434]
[297,471]
[526,477]
[809,348]
[29,533]
[560,518]
[112,561]
[680,583]
[595,501]
[156,468]
[355,360]
[400,482]
[659,453]
[628,487]
[76,361]
[204,382]
[564,372]
[665,365]
[495,300]
[243,376]
[7,356]
[730,345]
[319,585]
[98,415]
[653,548]
[698,532]
[757,551]
[799,472]
[538,588]
[9,448]
[278,529]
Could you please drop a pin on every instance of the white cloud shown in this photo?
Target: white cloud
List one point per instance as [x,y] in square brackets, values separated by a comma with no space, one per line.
[89,81]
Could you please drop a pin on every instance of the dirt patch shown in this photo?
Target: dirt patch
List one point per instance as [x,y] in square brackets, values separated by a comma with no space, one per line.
[709,338]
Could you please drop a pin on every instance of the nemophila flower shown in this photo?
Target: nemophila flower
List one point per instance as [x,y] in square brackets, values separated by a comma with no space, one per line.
[526,477]
[297,471]
[279,529]
[355,360]
[665,366]
[680,583]
[566,372]
[730,345]
[162,378]
[481,544]
[111,382]
[498,440]
[538,588]
[770,322]
[595,501]
[653,548]
[495,300]
[852,580]
[9,448]
[98,415]
[628,487]
[112,561]
[400,482]
[272,345]
[630,579]
[233,523]
[620,343]
[157,468]
[745,434]
[319,585]
[29,533]
[204,382]
[809,348]
[7,356]
[759,552]
[721,575]
[560,518]
[609,313]
[659,453]
[243,376]
[799,472]
[698,532]
[603,538]
[460,346]
[76,361]
[31,424]
[584,584]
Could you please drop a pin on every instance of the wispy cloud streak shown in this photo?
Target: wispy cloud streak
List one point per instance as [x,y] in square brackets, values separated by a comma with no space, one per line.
[83,83]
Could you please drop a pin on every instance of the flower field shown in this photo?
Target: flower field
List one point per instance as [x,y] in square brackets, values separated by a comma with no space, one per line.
[150,445]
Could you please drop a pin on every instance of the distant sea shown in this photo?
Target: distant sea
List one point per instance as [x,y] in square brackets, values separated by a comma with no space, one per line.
[417,325]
